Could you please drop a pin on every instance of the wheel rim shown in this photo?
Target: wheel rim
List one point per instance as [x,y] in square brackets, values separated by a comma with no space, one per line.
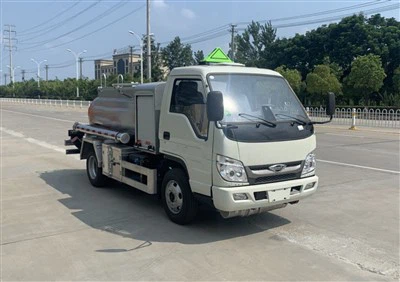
[92,167]
[174,197]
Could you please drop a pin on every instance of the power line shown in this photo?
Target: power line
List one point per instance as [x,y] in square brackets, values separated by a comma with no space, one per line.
[63,63]
[207,35]
[218,29]
[375,2]
[99,55]
[63,66]
[49,20]
[57,25]
[366,12]
[301,23]
[86,24]
[206,38]
[93,32]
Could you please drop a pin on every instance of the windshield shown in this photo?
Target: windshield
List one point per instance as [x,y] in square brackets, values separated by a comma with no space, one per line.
[267,97]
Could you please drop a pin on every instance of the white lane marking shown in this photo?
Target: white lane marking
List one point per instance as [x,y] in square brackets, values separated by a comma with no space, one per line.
[34,141]
[359,166]
[346,135]
[26,114]
[45,145]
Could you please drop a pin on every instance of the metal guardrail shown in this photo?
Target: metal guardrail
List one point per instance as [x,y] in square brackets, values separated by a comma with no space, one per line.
[343,116]
[359,117]
[49,102]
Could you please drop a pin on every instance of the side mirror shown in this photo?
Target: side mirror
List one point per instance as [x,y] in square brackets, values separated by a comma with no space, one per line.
[215,106]
[331,104]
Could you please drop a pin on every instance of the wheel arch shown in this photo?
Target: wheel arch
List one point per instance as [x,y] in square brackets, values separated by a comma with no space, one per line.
[87,146]
[168,163]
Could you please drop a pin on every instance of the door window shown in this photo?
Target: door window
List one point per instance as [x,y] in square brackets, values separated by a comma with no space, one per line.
[188,99]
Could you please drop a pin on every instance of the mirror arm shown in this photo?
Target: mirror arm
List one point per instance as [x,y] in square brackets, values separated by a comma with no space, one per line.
[322,122]
[218,126]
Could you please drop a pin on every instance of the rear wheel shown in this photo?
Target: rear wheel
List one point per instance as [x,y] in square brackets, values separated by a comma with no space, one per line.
[177,197]
[94,172]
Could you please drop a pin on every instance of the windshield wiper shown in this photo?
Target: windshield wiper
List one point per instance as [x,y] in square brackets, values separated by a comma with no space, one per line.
[264,121]
[299,121]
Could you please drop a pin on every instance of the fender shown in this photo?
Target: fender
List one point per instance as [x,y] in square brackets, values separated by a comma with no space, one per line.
[87,143]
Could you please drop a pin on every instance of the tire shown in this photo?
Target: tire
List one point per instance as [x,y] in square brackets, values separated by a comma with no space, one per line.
[177,197]
[95,173]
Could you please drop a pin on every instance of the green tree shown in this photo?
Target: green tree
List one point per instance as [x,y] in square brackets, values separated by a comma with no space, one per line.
[396,80]
[177,54]
[366,76]
[353,36]
[198,56]
[157,64]
[254,47]
[321,81]
[292,76]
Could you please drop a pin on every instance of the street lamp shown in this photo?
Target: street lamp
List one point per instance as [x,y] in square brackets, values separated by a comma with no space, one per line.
[38,70]
[77,68]
[141,54]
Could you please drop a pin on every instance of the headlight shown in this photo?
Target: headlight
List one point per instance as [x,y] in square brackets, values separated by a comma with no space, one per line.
[309,165]
[231,170]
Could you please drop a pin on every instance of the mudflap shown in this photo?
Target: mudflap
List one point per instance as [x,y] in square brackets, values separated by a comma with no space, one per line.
[75,140]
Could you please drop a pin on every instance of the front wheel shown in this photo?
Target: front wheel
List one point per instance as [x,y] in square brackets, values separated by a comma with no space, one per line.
[177,197]
[94,172]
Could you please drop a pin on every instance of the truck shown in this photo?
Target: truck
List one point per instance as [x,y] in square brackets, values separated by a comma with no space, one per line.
[220,134]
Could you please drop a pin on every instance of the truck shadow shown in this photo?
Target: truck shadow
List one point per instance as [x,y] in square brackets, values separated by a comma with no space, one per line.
[127,212]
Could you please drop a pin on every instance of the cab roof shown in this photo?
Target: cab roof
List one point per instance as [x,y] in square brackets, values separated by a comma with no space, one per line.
[204,70]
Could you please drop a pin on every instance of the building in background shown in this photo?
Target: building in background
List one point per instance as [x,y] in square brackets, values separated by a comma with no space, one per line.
[103,66]
[124,63]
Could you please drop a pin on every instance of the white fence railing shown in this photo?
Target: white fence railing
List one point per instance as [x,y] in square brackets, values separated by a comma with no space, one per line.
[359,117]
[343,116]
[49,102]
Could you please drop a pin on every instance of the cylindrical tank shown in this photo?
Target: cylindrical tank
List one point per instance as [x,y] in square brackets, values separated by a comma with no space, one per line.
[114,109]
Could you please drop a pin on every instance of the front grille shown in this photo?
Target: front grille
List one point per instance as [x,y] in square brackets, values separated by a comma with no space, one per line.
[276,178]
[262,167]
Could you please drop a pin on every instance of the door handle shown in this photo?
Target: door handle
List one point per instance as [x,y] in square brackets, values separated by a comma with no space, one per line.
[166,135]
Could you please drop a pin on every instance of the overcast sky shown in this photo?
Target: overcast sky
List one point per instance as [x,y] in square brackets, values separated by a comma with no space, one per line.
[45,29]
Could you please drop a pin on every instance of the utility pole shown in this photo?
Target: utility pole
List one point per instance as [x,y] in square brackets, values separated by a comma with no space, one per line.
[5,79]
[131,60]
[80,68]
[10,38]
[23,74]
[232,31]
[148,42]
[47,72]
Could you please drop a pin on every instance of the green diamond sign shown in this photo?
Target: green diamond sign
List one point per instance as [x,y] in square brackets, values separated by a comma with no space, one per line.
[217,56]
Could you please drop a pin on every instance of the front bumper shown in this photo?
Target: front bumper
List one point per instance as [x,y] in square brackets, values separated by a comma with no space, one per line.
[263,195]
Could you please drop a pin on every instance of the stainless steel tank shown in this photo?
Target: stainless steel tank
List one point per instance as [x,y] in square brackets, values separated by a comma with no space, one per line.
[114,109]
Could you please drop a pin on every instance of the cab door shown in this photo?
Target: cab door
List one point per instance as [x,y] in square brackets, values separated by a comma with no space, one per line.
[184,130]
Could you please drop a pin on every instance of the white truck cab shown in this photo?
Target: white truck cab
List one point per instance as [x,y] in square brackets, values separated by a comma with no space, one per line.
[233,137]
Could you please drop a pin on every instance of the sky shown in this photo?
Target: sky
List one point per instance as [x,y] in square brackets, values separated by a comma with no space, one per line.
[46,29]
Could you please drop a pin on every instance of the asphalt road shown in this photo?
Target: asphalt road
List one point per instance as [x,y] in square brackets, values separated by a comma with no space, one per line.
[55,226]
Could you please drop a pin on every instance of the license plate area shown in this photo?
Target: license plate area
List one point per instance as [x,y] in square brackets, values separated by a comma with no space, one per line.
[279,195]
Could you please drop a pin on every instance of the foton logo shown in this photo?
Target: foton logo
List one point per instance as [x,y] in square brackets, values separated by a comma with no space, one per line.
[277,167]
